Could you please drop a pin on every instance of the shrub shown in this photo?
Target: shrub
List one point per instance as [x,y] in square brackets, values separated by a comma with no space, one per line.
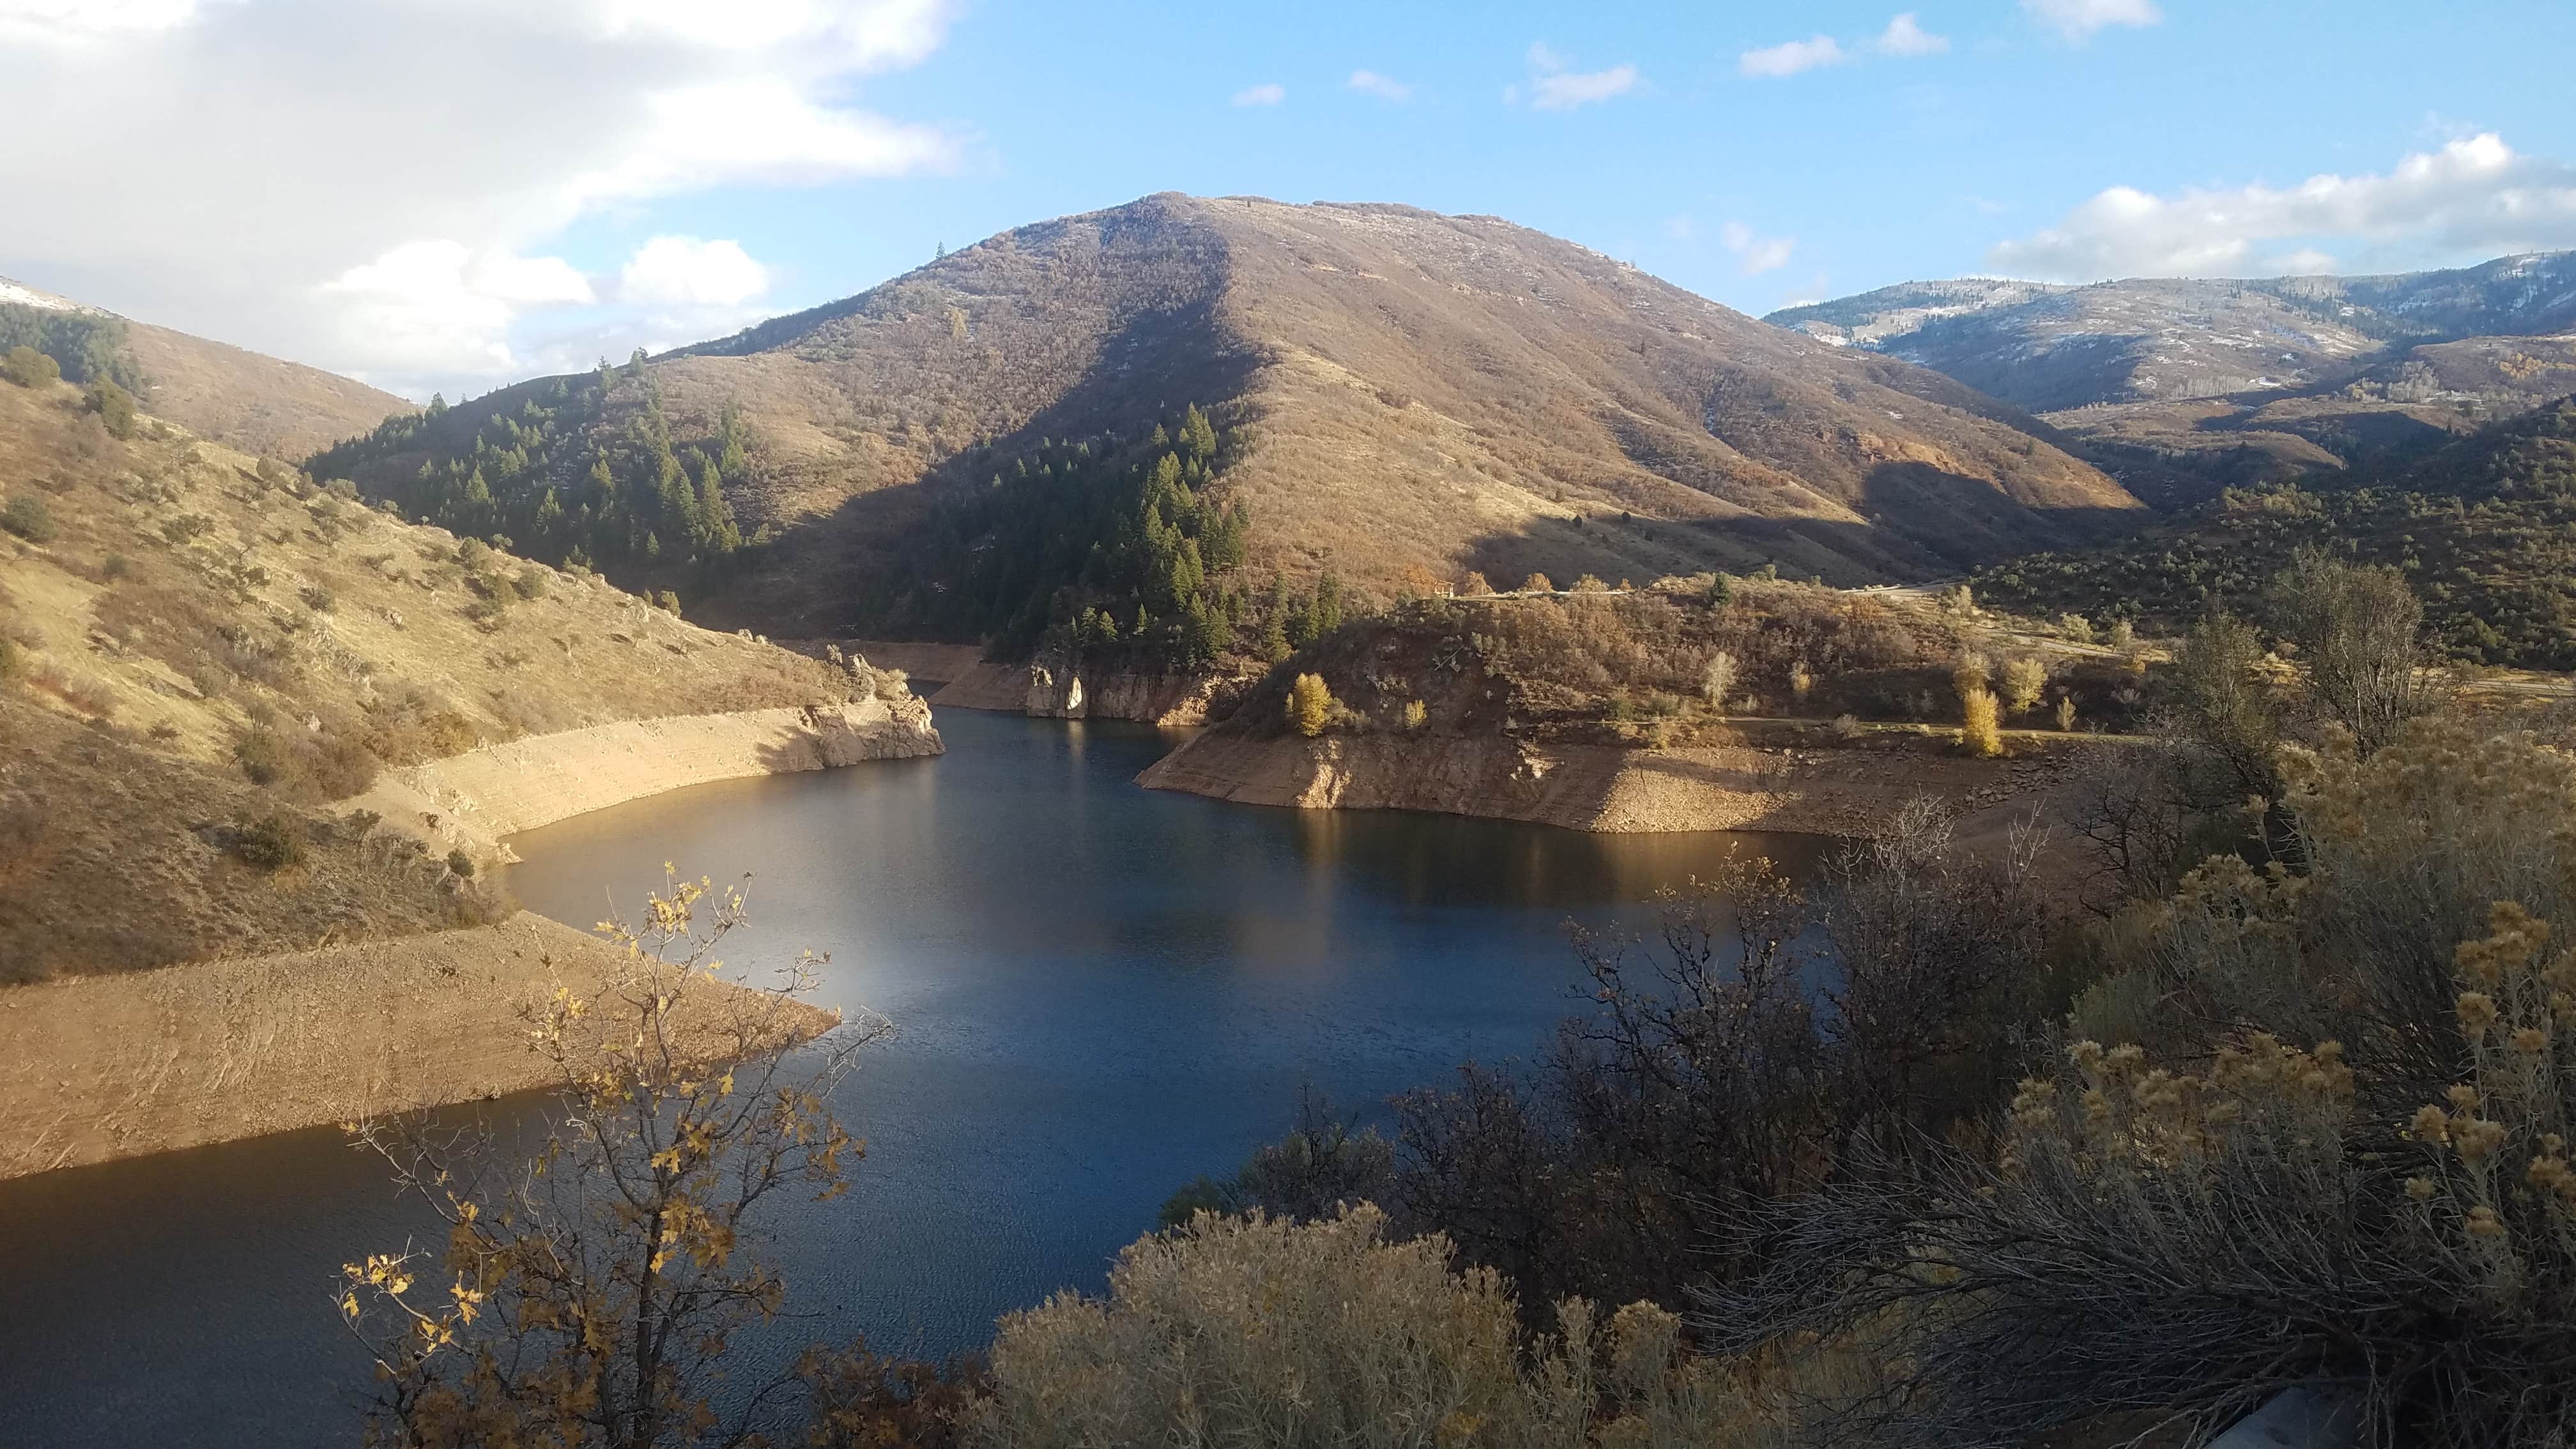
[27,367]
[1310,705]
[262,755]
[1847,727]
[114,406]
[2066,713]
[1474,585]
[1537,584]
[1590,584]
[1979,723]
[531,582]
[2025,680]
[892,685]
[317,598]
[2333,1156]
[274,842]
[1717,680]
[1973,671]
[29,517]
[1260,1332]
[1414,714]
[668,602]
[2076,628]
[461,863]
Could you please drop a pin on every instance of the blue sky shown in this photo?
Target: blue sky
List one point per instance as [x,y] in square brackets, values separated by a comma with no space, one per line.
[538,182]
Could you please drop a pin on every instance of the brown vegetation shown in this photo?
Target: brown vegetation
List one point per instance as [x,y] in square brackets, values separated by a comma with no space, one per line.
[176,682]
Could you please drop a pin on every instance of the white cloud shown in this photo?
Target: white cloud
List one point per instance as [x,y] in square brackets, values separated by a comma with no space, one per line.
[2472,198]
[1791,57]
[1555,86]
[61,21]
[298,175]
[682,271]
[1755,255]
[1903,36]
[434,305]
[1263,95]
[2079,20]
[1384,87]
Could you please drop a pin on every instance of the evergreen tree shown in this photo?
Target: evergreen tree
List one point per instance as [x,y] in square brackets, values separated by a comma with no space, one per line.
[1198,437]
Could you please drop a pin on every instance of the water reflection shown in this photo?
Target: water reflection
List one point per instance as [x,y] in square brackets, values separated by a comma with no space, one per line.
[1100,992]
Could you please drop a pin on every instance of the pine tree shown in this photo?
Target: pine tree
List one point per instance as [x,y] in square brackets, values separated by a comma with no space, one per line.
[717,531]
[1198,437]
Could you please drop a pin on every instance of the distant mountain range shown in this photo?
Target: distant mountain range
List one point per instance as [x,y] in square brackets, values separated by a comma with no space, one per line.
[258,404]
[1402,392]
[2232,381]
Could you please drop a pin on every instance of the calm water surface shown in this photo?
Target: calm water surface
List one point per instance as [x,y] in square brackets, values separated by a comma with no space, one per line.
[1099,992]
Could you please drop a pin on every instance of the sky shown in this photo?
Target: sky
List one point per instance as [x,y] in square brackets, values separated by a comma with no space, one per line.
[453,194]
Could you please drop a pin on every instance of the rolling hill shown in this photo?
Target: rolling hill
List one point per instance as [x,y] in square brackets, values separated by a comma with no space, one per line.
[201,652]
[2237,381]
[2484,527]
[1396,395]
[261,405]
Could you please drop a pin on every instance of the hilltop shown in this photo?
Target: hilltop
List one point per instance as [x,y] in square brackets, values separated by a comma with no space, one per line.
[205,656]
[2237,381]
[260,405]
[1395,397]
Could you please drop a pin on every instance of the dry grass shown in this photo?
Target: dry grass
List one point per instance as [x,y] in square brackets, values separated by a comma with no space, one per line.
[176,682]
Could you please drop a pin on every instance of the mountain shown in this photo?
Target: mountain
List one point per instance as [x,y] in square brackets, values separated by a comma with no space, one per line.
[2237,381]
[1394,395]
[2484,527]
[260,405]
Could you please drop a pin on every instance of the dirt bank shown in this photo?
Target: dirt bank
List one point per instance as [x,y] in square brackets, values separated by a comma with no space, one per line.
[101,1067]
[1600,787]
[1048,689]
[470,801]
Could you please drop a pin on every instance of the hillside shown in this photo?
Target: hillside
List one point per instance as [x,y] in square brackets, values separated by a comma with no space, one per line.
[2484,526]
[2237,382]
[200,651]
[1396,395]
[260,405]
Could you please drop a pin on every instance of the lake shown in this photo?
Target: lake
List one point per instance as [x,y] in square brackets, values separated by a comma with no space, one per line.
[1099,992]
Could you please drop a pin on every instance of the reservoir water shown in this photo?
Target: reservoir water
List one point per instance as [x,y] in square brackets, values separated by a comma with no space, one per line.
[1099,992]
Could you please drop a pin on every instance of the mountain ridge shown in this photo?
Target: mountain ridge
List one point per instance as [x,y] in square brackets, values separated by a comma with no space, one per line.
[1415,394]
[262,405]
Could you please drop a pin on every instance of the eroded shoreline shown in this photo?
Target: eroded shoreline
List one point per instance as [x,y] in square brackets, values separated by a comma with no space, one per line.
[1604,788]
[99,1067]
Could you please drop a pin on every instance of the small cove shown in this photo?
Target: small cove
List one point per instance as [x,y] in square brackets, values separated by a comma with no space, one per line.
[1099,992]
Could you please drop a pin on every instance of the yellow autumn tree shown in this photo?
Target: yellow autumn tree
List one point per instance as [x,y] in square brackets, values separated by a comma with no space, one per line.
[1310,705]
[1980,722]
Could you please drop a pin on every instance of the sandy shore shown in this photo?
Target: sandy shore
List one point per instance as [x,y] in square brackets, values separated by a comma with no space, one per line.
[470,801]
[1600,787]
[100,1067]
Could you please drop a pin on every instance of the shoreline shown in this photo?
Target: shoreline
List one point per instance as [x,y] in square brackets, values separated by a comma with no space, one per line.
[100,1067]
[472,801]
[97,1068]
[1602,788]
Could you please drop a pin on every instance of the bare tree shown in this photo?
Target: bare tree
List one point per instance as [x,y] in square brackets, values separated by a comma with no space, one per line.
[586,1298]
[2360,630]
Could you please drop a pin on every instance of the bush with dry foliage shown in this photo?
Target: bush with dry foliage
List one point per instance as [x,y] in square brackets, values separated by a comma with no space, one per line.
[2320,1140]
[1260,1332]
[587,1298]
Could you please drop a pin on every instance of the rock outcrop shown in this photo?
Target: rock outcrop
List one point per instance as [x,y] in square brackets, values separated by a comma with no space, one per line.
[1053,689]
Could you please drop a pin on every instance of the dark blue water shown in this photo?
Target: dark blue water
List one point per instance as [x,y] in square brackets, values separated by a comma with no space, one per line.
[1099,992]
